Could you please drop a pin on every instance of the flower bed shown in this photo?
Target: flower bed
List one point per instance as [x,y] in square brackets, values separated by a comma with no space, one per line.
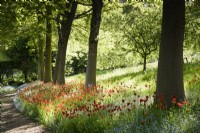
[72,108]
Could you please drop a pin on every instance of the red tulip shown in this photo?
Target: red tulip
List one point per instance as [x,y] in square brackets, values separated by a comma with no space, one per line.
[179,104]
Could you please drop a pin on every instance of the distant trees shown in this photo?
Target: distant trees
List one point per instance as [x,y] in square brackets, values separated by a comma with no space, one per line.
[77,63]
[8,23]
[192,26]
[142,33]
[97,6]
[23,56]
[6,68]
[170,64]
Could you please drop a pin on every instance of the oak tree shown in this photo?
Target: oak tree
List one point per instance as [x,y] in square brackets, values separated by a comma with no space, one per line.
[170,64]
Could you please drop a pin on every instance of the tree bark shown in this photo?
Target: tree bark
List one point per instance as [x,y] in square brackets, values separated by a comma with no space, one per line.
[66,25]
[55,76]
[41,59]
[170,64]
[48,58]
[144,62]
[93,43]
[41,54]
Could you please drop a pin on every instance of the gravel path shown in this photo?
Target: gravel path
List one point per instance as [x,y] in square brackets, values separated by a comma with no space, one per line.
[12,121]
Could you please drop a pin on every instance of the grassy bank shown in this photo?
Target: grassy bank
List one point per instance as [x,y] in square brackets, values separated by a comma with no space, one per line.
[121,102]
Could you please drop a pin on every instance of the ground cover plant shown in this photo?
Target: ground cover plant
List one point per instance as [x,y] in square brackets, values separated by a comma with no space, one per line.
[119,103]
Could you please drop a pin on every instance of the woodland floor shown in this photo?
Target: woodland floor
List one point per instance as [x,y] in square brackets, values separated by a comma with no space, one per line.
[13,121]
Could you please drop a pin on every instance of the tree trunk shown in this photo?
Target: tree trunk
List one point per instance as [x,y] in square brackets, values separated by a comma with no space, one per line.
[41,59]
[48,58]
[66,25]
[93,42]
[170,64]
[55,76]
[26,77]
[145,62]
[41,54]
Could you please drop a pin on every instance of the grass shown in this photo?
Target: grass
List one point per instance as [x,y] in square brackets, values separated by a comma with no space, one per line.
[122,102]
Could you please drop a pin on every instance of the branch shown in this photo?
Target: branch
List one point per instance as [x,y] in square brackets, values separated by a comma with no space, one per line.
[154,48]
[143,38]
[82,14]
[131,37]
[125,51]
[137,44]
[58,22]
[84,4]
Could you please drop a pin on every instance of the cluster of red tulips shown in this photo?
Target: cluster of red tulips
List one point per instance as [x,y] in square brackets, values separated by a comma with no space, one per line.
[72,99]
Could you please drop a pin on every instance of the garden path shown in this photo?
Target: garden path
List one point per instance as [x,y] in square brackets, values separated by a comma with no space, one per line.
[13,121]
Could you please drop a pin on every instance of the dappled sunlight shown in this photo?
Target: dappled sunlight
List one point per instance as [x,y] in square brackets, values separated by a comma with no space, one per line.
[192,81]
[109,74]
[118,72]
[78,78]
[98,66]
[121,106]
[12,120]
[28,127]
[122,71]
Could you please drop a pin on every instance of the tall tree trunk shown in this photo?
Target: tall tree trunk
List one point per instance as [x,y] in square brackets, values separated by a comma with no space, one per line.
[48,58]
[41,54]
[66,25]
[93,43]
[170,64]
[41,59]
[55,76]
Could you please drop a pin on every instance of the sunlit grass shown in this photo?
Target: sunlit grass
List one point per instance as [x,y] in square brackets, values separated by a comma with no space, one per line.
[122,102]
[129,76]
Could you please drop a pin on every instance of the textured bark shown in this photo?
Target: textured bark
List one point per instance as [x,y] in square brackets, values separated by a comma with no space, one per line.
[170,64]
[41,54]
[93,43]
[48,58]
[66,25]
[41,59]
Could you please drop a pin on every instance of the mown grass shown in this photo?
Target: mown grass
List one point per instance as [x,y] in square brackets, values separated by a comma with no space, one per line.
[122,102]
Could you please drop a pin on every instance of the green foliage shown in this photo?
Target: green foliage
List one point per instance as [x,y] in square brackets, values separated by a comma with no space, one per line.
[4,58]
[192,30]
[141,31]
[8,23]
[5,67]
[24,56]
[142,19]
[76,63]
[142,23]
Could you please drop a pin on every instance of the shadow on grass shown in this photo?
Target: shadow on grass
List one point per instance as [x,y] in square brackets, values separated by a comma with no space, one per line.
[140,76]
